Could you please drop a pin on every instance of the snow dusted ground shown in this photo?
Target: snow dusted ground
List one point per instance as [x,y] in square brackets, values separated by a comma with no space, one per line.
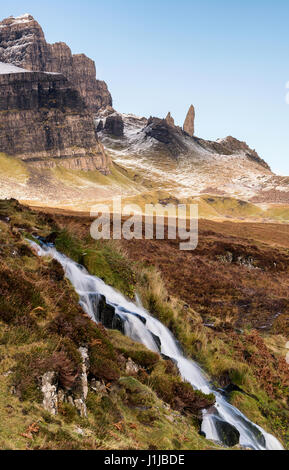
[9,68]
[198,171]
[13,20]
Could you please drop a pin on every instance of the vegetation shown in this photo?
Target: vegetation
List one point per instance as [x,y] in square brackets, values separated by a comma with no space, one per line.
[11,167]
[245,287]
[42,328]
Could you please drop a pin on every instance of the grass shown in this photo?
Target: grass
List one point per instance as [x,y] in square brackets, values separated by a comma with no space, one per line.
[228,206]
[13,168]
[41,329]
[153,409]
[102,259]
[80,178]
[225,355]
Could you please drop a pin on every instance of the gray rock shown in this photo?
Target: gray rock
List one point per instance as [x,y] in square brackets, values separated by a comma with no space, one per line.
[49,391]
[131,367]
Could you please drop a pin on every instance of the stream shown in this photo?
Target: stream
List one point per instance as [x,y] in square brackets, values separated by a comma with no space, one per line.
[140,326]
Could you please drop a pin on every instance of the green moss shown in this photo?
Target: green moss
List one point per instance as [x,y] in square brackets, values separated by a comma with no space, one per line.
[69,245]
[112,267]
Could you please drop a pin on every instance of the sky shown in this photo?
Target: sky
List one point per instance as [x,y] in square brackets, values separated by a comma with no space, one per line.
[230,59]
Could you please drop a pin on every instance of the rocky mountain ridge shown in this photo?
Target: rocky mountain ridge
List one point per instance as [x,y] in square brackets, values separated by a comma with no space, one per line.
[47,122]
[22,43]
[187,165]
[44,120]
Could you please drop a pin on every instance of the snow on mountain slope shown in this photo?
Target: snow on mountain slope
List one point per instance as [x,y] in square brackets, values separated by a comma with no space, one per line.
[187,166]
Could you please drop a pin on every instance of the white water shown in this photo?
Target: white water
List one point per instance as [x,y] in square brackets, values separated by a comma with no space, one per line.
[89,288]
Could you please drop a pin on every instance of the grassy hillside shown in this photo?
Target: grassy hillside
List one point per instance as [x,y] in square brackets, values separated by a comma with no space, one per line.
[13,168]
[147,407]
[236,282]
[41,329]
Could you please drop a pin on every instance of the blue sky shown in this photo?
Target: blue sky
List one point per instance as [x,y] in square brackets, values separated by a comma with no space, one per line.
[228,58]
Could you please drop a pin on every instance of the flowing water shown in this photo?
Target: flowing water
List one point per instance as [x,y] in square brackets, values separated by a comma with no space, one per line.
[142,327]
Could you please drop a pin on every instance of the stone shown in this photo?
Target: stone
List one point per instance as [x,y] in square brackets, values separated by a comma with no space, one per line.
[84,368]
[157,340]
[49,391]
[98,387]
[131,367]
[170,137]
[170,120]
[44,122]
[22,43]
[228,434]
[80,405]
[108,316]
[189,124]
[114,125]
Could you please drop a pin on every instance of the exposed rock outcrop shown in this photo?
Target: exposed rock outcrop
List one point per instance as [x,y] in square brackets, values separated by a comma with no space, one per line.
[108,316]
[49,391]
[53,395]
[189,124]
[44,120]
[114,125]
[22,43]
[230,146]
[170,120]
[171,136]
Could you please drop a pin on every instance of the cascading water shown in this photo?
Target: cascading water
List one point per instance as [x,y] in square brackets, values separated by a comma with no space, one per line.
[142,327]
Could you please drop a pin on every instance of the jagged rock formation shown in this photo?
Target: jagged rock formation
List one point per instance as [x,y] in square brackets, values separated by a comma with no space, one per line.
[189,124]
[230,146]
[44,120]
[171,136]
[22,43]
[183,166]
[114,125]
[170,120]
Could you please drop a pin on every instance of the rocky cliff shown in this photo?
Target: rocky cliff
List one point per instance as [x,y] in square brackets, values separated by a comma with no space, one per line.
[44,120]
[22,43]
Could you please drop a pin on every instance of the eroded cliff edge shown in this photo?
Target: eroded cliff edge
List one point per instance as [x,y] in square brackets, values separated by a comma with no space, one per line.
[44,120]
[22,43]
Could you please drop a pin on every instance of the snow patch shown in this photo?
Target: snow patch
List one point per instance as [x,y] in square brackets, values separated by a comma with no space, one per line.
[9,68]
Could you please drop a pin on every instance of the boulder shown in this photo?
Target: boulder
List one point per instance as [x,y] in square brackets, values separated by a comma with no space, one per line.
[228,434]
[108,316]
[99,126]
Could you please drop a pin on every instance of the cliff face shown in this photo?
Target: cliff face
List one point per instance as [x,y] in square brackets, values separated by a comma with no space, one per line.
[44,120]
[23,44]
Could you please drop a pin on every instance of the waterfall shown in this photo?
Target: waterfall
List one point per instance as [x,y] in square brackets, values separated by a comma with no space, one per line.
[140,326]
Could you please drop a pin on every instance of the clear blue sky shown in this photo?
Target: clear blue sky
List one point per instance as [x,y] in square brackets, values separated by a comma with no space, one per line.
[228,58]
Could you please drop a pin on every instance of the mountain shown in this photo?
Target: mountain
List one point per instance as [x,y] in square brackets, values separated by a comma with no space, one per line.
[44,120]
[186,165]
[63,145]
[132,344]
[22,43]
